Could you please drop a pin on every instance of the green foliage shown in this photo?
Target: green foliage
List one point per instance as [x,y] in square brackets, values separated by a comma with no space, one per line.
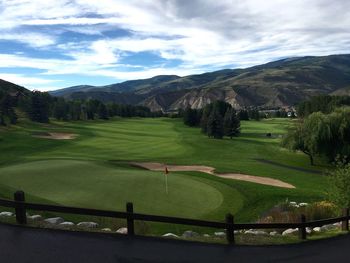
[215,127]
[102,112]
[322,134]
[39,106]
[339,185]
[243,115]
[191,117]
[231,123]
[325,104]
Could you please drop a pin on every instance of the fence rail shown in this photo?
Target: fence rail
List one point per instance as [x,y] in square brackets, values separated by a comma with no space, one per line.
[21,206]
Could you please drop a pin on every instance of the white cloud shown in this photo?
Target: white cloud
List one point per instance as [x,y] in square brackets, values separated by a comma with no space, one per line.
[203,34]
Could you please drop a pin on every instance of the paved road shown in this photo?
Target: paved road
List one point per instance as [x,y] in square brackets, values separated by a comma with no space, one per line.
[20,244]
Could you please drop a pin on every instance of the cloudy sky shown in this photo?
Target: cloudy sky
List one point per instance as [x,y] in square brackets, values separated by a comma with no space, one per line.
[51,44]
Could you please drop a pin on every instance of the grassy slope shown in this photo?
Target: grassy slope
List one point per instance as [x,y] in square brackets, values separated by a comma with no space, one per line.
[164,140]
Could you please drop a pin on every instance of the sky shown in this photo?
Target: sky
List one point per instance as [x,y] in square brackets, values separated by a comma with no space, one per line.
[52,44]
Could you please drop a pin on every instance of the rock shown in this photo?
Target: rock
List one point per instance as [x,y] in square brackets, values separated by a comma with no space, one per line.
[220,234]
[206,235]
[35,217]
[170,235]
[308,230]
[106,229]
[328,227]
[293,203]
[54,220]
[274,233]
[256,232]
[289,231]
[190,234]
[122,230]
[6,214]
[338,224]
[303,204]
[236,232]
[316,229]
[67,224]
[88,224]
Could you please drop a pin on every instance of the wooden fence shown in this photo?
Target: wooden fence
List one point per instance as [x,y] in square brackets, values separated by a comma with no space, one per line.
[21,206]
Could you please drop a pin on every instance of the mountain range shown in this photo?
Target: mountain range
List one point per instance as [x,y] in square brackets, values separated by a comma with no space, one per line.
[281,83]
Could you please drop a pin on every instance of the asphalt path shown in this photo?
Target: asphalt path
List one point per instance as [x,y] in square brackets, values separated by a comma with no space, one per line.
[23,244]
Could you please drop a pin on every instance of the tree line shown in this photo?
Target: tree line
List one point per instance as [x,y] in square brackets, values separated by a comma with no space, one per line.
[41,106]
[325,104]
[216,120]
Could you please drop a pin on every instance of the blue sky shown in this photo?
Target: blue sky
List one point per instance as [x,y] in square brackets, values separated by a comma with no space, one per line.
[52,44]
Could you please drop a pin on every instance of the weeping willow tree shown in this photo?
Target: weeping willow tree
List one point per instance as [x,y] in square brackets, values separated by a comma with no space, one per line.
[321,135]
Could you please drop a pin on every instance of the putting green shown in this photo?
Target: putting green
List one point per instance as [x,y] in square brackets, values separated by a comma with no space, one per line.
[106,186]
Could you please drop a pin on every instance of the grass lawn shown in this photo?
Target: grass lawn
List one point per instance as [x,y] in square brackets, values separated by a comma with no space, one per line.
[92,170]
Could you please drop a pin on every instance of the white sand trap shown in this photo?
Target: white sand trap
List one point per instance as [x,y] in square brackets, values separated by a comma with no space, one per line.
[210,170]
[57,136]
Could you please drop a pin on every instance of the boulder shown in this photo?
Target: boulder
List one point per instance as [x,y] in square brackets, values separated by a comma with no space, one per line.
[67,224]
[6,214]
[274,233]
[256,232]
[289,231]
[316,229]
[88,224]
[328,227]
[190,234]
[122,230]
[220,234]
[170,235]
[35,217]
[308,230]
[206,235]
[106,229]
[303,204]
[54,220]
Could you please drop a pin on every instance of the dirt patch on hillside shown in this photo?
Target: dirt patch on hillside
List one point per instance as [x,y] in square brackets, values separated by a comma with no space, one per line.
[210,170]
[55,135]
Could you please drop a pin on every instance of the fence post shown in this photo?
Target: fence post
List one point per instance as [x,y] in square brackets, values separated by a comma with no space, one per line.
[230,234]
[345,223]
[302,229]
[130,219]
[21,215]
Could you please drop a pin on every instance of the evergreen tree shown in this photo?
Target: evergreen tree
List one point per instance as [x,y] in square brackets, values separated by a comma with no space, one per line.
[191,117]
[243,115]
[231,123]
[39,106]
[102,112]
[215,127]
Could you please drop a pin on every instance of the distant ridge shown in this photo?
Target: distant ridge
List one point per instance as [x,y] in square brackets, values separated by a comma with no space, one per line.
[279,83]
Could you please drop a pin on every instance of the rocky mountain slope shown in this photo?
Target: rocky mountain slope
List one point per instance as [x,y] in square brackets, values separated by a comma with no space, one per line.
[281,83]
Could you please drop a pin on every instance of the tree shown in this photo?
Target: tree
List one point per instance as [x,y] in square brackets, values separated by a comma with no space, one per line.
[39,106]
[191,117]
[102,112]
[243,115]
[339,185]
[215,128]
[231,123]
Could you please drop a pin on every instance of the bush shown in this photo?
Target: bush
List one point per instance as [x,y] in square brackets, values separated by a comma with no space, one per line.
[339,185]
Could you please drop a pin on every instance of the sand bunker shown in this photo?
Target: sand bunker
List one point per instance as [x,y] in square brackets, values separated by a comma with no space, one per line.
[210,170]
[56,136]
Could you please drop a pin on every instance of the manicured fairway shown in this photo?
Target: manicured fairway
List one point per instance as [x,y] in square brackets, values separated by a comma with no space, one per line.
[92,170]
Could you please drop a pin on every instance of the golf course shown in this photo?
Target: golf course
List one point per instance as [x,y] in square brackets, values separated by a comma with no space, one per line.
[91,166]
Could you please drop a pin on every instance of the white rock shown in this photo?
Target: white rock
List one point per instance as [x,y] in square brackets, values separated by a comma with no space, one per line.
[54,220]
[6,214]
[289,231]
[122,230]
[308,230]
[338,224]
[206,235]
[189,234]
[67,224]
[328,227]
[316,229]
[303,204]
[274,233]
[106,229]
[293,203]
[88,224]
[35,217]
[256,232]
[170,235]
[237,232]
[220,234]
